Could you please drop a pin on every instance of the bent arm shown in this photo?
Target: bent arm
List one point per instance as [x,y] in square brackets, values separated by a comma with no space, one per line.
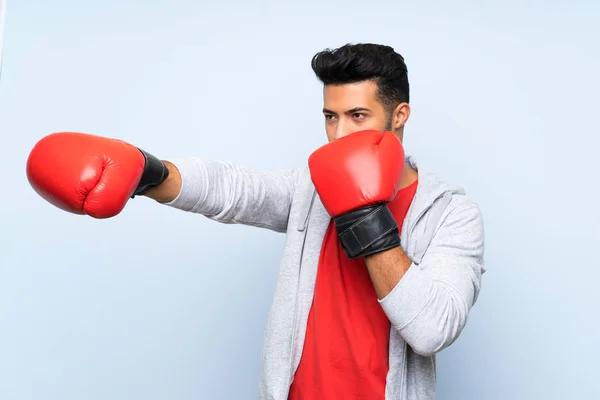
[229,193]
[430,305]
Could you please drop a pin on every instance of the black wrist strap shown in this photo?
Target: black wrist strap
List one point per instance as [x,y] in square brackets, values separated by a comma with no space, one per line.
[155,172]
[361,231]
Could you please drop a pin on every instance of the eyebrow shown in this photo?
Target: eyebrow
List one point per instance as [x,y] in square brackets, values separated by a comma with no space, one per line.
[351,111]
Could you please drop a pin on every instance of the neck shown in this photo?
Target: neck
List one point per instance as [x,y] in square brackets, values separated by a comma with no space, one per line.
[409,176]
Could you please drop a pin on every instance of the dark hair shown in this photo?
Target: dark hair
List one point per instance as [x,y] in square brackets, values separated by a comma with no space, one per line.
[353,63]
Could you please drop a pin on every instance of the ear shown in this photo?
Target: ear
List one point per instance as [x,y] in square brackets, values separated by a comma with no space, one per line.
[400,116]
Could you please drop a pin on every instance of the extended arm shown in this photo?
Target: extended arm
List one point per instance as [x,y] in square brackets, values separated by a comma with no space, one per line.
[94,175]
[229,193]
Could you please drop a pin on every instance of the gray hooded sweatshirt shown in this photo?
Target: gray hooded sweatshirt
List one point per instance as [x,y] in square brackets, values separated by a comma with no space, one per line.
[442,234]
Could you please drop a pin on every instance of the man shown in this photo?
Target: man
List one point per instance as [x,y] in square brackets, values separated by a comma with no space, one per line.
[383,260]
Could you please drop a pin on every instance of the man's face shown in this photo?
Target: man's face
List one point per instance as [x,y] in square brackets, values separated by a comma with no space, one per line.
[353,107]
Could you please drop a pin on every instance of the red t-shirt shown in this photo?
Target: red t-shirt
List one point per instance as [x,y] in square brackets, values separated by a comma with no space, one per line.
[345,354]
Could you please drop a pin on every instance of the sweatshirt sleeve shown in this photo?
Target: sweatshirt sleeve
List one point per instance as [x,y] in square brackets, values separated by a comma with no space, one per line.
[430,305]
[235,194]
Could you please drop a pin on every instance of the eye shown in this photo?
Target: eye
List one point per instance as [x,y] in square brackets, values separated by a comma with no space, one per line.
[329,117]
[359,116]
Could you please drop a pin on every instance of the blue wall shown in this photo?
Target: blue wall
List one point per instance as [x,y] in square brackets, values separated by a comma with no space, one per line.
[160,304]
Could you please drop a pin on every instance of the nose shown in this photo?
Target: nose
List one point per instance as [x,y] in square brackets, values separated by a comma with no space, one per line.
[341,130]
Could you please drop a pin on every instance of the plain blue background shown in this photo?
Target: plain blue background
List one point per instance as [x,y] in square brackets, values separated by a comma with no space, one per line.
[160,304]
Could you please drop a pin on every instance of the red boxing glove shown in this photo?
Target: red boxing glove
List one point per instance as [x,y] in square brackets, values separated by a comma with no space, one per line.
[355,176]
[93,175]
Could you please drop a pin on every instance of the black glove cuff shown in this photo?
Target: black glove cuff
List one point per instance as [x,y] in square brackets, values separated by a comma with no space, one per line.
[155,172]
[367,231]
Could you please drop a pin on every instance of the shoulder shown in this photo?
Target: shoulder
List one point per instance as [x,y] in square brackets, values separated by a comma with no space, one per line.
[465,211]
[456,210]
[431,187]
